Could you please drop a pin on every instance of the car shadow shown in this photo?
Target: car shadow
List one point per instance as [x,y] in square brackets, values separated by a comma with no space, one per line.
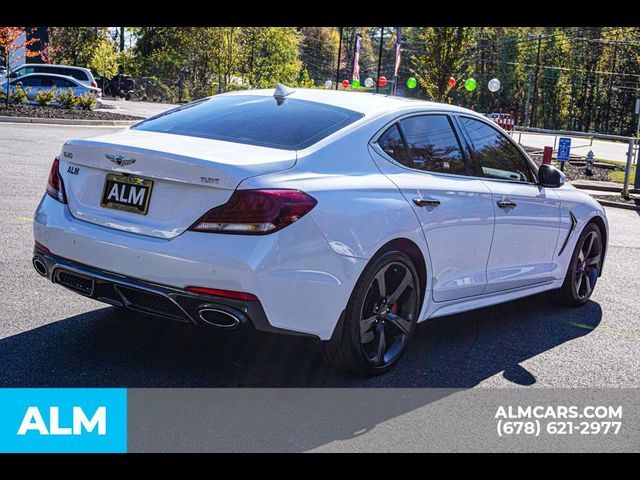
[111,347]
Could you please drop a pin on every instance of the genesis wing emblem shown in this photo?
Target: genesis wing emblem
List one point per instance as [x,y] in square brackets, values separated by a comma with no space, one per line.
[119,160]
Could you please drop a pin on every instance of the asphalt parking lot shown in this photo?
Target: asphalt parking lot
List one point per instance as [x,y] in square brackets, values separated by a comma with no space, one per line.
[52,337]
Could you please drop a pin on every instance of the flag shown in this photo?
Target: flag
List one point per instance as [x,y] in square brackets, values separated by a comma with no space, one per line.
[356,59]
[398,43]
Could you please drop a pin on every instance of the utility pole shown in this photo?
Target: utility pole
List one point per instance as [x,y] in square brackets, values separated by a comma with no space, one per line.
[338,67]
[526,108]
[379,58]
[535,84]
[613,69]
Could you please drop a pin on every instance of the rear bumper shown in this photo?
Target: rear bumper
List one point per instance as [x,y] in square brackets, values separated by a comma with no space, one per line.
[150,298]
[301,283]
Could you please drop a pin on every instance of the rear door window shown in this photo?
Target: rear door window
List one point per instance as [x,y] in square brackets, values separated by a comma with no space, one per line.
[34,81]
[433,145]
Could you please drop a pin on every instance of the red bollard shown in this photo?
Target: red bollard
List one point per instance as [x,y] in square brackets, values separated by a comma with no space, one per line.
[546,155]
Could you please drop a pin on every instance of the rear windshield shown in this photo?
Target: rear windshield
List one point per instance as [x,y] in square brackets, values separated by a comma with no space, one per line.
[255,120]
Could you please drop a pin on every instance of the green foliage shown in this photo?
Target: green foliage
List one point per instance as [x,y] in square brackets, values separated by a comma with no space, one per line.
[305,81]
[319,51]
[45,97]
[128,63]
[574,89]
[270,55]
[86,101]
[19,95]
[444,52]
[151,88]
[75,45]
[68,99]
[104,60]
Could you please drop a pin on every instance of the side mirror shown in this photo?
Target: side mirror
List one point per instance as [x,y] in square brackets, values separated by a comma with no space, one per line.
[550,177]
[18,84]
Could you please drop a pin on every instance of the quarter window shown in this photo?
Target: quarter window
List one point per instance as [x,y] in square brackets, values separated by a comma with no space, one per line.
[433,145]
[497,155]
[393,145]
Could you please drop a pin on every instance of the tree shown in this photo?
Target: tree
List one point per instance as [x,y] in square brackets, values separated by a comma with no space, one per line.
[12,40]
[318,52]
[75,45]
[444,53]
[104,60]
[270,55]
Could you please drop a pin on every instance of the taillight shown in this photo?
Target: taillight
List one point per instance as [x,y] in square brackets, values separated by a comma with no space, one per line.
[256,212]
[94,84]
[55,186]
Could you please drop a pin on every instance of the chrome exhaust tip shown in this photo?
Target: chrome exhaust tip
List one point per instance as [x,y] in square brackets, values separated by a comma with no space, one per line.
[219,318]
[40,266]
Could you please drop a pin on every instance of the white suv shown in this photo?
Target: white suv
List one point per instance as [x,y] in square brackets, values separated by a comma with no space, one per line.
[83,75]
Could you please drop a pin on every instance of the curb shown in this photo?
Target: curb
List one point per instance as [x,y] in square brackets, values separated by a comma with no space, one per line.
[607,203]
[64,121]
[601,188]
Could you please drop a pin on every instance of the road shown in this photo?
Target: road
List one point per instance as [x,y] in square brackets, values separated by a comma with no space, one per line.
[602,149]
[52,337]
[139,109]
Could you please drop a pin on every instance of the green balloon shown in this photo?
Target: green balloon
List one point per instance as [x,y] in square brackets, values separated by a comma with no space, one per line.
[355,83]
[412,82]
[470,85]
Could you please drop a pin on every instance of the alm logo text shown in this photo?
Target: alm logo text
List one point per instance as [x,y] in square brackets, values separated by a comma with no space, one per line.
[33,421]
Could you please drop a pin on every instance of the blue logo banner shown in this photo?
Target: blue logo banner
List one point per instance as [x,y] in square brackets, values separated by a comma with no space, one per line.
[63,420]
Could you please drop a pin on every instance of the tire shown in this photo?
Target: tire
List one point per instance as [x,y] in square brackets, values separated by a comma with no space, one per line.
[584,268]
[372,314]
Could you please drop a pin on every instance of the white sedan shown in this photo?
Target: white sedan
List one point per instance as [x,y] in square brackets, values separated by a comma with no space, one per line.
[345,217]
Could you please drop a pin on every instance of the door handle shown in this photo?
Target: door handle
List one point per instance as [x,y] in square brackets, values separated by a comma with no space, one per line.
[506,204]
[426,202]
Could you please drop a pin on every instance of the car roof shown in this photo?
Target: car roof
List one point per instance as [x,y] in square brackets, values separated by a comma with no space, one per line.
[50,65]
[55,75]
[366,103]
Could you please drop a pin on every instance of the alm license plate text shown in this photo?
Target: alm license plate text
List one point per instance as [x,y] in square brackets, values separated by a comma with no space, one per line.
[130,194]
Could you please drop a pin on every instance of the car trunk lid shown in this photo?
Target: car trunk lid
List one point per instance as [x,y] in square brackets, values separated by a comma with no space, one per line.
[190,176]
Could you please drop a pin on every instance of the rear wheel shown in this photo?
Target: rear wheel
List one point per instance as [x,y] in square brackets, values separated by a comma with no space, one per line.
[379,319]
[584,268]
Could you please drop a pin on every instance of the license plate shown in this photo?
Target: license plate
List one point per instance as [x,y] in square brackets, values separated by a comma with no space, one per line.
[126,193]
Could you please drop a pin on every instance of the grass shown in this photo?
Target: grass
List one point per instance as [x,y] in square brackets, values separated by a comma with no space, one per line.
[612,162]
[619,176]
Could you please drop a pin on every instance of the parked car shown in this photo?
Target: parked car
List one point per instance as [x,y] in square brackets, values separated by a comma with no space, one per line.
[505,120]
[35,82]
[83,75]
[347,218]
[118,86]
